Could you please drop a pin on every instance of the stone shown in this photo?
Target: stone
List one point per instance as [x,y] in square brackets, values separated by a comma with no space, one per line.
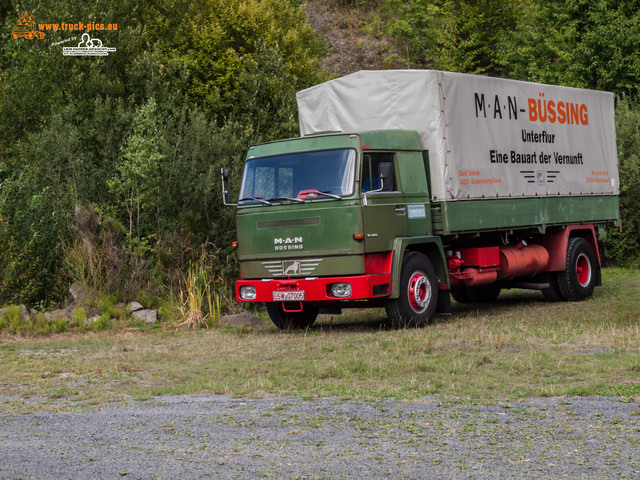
[134,306]
[149,316]
[241,320]
[62,313]
[79,293]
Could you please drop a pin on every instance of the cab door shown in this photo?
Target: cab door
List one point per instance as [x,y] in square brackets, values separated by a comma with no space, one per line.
[385,212]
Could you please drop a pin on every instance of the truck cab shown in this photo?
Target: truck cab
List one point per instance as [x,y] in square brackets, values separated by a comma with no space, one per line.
[320,217]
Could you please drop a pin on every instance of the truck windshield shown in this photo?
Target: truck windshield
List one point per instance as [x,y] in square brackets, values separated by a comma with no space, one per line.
[299,176]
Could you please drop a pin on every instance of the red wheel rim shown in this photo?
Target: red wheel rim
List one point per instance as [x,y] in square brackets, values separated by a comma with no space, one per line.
[583,270]
[419,292]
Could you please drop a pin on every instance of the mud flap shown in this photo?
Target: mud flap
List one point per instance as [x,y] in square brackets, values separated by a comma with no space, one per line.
[444,303]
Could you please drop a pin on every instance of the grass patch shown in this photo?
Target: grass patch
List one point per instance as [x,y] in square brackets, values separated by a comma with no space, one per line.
[520,346]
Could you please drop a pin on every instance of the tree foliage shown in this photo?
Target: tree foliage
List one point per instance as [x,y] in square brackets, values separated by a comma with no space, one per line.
[140,135]
[624,245]
[580,43]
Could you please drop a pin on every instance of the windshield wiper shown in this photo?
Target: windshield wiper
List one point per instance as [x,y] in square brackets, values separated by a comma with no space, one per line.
[279,199]
[257,199]
[326,194]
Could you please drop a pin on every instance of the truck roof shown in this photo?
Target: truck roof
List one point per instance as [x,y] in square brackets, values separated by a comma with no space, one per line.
[407,140]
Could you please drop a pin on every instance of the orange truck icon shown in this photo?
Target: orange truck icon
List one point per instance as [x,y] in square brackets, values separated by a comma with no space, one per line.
[26,27]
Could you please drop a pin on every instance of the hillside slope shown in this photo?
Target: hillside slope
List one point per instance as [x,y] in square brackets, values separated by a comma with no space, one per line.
[350,47]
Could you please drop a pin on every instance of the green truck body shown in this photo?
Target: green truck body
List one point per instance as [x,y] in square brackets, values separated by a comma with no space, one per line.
[389,217]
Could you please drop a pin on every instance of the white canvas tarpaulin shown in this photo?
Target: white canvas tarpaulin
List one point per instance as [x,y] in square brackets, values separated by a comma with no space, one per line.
[486,137]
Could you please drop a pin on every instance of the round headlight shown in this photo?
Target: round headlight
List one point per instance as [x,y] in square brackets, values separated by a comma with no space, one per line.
[248,292]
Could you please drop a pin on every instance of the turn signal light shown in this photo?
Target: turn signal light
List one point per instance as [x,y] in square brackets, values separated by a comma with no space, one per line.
[358,236]
[234,244]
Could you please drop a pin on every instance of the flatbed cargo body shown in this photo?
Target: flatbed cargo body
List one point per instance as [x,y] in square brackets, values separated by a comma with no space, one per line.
[541,213]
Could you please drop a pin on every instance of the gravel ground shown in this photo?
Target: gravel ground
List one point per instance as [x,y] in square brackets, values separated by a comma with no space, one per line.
[221,437]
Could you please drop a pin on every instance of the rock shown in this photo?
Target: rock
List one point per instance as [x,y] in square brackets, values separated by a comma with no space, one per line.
[79,293]
[240,320]
[149,316]
[92,319]
[62,313]
[134,306]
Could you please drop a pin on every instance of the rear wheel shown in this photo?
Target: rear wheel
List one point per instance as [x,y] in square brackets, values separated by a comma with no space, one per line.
[578,279]
[484,293]
[418,298]
[553,293]
[460,295]
[291,320]
[479,294]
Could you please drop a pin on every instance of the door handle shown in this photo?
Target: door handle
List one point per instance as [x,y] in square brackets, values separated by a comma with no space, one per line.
[401,210]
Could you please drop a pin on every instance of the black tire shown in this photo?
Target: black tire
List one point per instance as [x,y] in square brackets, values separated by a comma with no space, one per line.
[292,320]
[578,279]
[483,293]
[480,294]
[416,305]
[461,295]
[553,293]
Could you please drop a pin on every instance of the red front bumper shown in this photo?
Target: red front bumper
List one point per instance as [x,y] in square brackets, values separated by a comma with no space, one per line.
[319,289]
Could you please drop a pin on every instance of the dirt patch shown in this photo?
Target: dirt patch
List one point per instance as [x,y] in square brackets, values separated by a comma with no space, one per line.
[350,47]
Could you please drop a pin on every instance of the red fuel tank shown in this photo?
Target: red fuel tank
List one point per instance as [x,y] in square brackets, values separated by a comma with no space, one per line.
[521,262]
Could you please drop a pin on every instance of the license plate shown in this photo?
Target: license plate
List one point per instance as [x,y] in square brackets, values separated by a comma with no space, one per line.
[296,295]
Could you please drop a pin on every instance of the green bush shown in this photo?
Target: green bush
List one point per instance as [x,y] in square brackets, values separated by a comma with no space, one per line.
[79,316]
[13,317]
[102,323]
[106,305]
[40,325]
[623,246]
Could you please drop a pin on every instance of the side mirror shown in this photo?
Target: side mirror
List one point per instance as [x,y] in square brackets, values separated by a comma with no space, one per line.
[226,195]
[385,170]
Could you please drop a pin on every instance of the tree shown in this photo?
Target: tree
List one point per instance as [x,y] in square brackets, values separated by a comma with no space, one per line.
[137,182]
[140,134]
[579,43]
[453,35]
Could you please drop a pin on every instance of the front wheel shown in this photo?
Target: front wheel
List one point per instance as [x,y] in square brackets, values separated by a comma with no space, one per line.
[418,298]
[292,320]
[578,279]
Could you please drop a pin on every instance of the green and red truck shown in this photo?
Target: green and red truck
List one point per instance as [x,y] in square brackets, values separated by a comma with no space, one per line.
[408,186]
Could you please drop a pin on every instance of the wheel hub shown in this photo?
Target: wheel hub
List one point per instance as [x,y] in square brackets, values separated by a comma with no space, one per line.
[419,292]
[583,270]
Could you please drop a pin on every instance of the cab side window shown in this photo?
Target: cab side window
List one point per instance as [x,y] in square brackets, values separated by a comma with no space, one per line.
[371,172]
